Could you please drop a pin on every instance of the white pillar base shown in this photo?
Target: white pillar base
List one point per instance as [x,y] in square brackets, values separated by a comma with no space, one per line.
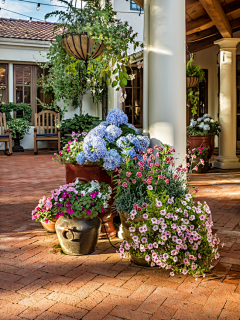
[226,163]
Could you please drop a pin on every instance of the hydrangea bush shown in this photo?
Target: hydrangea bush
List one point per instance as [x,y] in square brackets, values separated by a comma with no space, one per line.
[203,126]
[172,233]
[77,199]
[107,144]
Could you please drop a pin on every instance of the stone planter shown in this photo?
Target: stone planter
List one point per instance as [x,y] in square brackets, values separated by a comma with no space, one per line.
[50,226]
[201,168]
[126,235]
[201,141]
[78,236]
[87,173]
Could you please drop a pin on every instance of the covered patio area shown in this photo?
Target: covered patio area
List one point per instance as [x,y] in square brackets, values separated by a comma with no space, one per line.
[38,282]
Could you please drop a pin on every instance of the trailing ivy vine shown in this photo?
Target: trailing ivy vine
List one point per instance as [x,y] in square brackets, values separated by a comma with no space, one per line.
[68,77]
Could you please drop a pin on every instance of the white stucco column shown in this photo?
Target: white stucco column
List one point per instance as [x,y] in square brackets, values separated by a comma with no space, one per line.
[166,73]
[227,158]
[10,82]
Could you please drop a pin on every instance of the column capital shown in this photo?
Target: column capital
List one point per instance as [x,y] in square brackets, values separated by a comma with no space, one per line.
[228,43]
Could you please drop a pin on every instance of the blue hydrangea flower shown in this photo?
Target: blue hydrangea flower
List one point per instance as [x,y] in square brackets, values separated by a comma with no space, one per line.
[134,140]
[112,133]
[94,148]
[103,123]
[112,160]
[117,117]
[144,141]
[98,131]
[129,153]
[131,126]
[122,142]
[81,158]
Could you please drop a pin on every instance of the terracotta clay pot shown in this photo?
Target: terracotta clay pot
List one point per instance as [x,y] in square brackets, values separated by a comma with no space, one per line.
[78,236]
[126,234]
[201,168]
[88,173]
[50,226]
[201,141]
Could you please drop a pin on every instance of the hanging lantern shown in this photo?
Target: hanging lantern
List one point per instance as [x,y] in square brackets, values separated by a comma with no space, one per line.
[191,82]
[82,46]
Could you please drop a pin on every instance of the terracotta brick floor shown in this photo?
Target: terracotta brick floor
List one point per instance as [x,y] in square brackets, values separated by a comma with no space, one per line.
[36,283]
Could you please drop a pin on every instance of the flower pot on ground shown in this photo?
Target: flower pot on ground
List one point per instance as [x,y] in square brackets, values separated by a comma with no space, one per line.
[198,159]
[19,128]
[201,133]
[173,232]
[87,173]
[101,151]
[78,236]
[50,226]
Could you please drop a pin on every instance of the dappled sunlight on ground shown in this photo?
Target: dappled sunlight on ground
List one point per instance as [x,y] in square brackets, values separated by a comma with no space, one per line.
[37,281]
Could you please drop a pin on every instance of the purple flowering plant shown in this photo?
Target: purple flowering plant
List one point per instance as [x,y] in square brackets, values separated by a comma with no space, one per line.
[173,233]
[77,199]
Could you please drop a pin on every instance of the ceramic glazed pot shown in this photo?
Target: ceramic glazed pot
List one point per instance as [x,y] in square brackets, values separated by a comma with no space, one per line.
[50,226]
[78,236]
[87,173]
[201,168]
[201,141]
[126,233]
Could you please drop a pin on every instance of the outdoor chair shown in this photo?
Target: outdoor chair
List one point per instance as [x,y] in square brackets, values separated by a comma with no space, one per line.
[5,135]
[45,128]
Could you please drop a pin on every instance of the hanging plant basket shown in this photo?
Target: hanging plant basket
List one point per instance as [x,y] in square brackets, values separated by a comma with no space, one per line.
[191,82]
[82,46]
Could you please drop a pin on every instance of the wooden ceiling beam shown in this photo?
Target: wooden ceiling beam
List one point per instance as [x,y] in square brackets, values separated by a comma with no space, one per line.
[196,25]
[191,4]
[202,35]
[219,18]
[231,7]
[203,44]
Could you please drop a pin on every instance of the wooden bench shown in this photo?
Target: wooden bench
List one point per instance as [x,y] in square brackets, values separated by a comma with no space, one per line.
[5,135]
[45,128]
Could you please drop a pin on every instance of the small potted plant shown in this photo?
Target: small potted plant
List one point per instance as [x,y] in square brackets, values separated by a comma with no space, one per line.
[198,159]
[19,128]
[80,207]
[173,233]
[201,133]
[46,212]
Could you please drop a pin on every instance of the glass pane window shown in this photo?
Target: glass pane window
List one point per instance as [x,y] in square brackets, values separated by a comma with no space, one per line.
[3,83]
[133,105]
[134,6]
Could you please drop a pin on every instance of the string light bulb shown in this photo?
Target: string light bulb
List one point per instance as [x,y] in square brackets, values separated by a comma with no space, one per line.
[3,1]
[38,7]
[30,19]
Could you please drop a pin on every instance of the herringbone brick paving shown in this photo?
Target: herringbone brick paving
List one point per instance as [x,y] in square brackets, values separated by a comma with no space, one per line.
[36,283]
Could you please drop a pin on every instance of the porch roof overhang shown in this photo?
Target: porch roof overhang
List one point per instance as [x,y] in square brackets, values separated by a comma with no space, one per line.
[208,21]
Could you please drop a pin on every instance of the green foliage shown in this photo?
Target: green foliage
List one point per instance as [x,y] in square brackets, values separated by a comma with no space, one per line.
[193,70]
[68,77]
[24,108]
[83,123]
[19,127]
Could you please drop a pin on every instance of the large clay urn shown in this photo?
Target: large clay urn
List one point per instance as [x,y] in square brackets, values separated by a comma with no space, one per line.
[201,141]
[88,173]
